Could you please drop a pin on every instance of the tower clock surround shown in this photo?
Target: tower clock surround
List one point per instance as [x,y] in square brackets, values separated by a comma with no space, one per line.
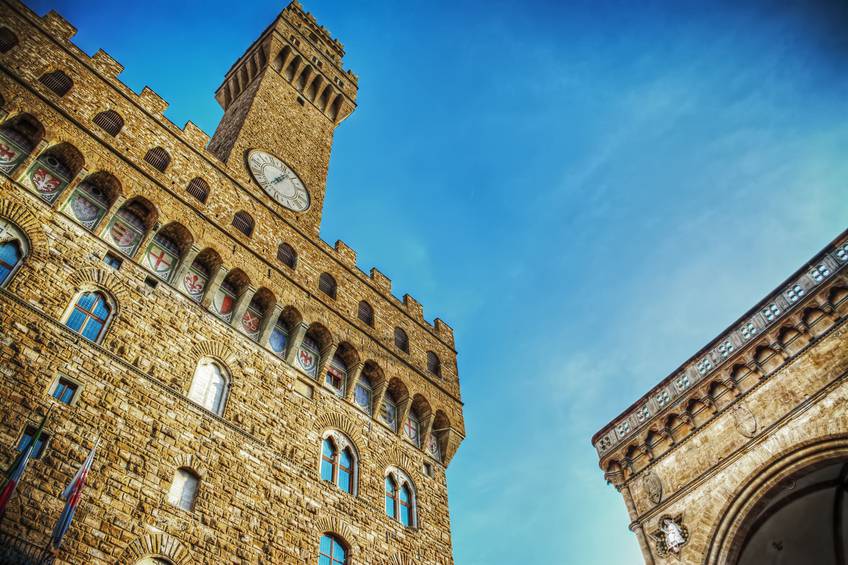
[278,180]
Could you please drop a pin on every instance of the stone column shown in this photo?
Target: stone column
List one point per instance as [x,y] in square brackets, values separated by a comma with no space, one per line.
[212,287]
[241,305]
[110,213]
[636,525]
[268,323]
[295,339]
[352,379]
[185,264]
[403,413]
[72,184]
[426,430]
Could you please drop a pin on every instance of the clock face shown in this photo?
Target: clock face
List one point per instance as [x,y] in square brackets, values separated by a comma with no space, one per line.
[278,180]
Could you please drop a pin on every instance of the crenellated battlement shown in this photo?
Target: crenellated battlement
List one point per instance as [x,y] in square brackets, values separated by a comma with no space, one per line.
[196,140]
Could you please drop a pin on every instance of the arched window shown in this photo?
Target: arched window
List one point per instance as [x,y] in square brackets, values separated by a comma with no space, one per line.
[198,188]
[338,463]
[183,489]
[327,284]
[336,378]
[90,315]
[400,498]
[366,313]
[243,223]
[287,255]
[8,40]
[50,174]
[57,81]
[18,136]
[434,366]
[331,551]
[129,225]
[209,386]
[363,395]
[92,198]
[110,121]
[13,249]
[389,411]
[401,340]
[158,159]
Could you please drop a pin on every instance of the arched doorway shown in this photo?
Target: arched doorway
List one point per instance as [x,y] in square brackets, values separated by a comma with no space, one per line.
[804,520]
[791,510]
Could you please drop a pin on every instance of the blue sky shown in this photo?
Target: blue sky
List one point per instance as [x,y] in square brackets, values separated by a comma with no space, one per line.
[587,191]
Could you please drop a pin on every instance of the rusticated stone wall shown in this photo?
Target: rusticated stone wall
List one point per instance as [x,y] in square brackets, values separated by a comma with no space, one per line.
[260,497]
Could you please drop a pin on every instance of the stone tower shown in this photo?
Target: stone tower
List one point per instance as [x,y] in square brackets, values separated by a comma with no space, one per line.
[259,397]
[286,95]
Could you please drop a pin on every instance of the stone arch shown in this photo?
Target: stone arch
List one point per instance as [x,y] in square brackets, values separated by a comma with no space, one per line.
[23,216]
[189,461]
[395,457]
[215,350]
[399,559]
[103,279]
[343,424]
[724,544]
[340,529]
[157,545]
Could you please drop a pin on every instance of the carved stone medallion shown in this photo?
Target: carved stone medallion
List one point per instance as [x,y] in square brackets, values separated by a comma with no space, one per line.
[671,536]
[746,422]
[653,487]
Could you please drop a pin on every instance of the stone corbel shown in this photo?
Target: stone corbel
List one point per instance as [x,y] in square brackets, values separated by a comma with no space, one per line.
[326,356]
[269,320]
[295,339]
[241,305]
[66,194]
[353,379]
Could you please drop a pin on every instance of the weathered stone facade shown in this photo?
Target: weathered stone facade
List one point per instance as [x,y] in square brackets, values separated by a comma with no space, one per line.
[260,495]
[706,453]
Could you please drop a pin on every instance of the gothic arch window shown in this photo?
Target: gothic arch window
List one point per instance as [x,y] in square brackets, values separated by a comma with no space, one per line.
[183,491]
[366,313]
[243,223]
[129,225]
[90,315]
[158,158]
[400,497]
[50,174]
[14,248]
[287,255]
[332,551]
[434,365]
[339,462]
[18,137]
[109,121]
[209,386]
[8,40]
[57,81]
[92,198]
[401,340]
[327,284]
[198,188]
